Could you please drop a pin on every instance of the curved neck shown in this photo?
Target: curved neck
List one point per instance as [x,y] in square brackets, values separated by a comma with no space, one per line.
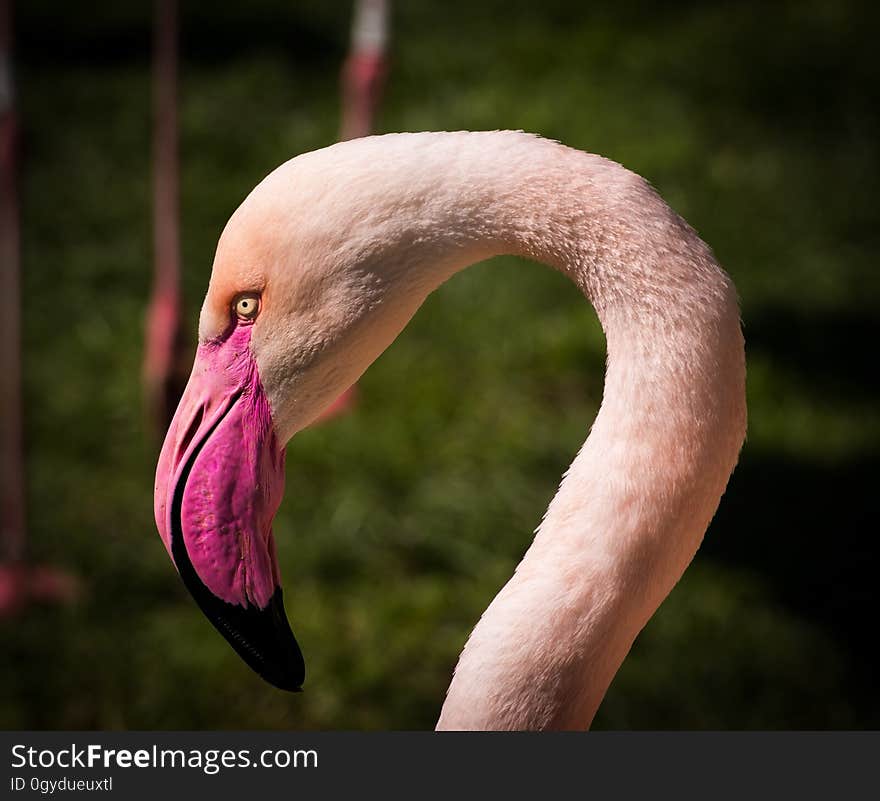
[403,213]
[635,503]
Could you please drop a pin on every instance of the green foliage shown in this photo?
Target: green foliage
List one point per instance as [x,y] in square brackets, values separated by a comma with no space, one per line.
[402,520]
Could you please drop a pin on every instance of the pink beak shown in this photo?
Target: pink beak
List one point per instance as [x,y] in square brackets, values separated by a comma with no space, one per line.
[219,482]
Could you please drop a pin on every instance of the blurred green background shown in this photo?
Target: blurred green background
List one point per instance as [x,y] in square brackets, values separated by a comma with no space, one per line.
[756,121]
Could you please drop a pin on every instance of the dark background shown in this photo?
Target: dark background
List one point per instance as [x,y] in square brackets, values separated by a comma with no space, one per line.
[756,121]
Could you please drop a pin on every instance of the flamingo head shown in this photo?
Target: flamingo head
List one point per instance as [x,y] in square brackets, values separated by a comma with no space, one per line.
[300,302]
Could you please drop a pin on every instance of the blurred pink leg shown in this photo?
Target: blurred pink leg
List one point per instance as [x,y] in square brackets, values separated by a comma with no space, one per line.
[20,582]
[165,356]
[363,79]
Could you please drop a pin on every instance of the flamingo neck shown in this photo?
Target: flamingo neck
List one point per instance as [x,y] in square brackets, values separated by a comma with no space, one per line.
[632,509]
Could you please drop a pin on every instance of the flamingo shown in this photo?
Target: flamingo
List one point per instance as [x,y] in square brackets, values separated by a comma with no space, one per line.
[320,269]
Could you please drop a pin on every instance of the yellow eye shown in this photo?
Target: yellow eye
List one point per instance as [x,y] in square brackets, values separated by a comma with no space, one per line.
[247,306]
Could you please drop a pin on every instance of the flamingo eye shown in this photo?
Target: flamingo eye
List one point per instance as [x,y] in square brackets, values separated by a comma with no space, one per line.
[247,306]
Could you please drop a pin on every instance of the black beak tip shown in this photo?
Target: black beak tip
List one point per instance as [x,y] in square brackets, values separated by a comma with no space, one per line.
[263,639]
[279,659]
